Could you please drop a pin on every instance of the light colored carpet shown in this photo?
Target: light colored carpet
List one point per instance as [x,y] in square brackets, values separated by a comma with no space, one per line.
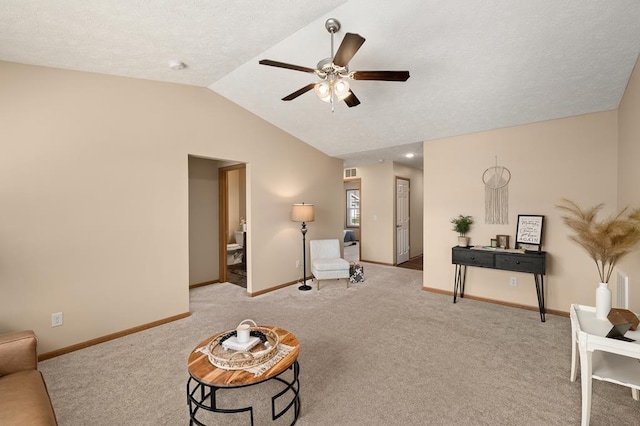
[383,352]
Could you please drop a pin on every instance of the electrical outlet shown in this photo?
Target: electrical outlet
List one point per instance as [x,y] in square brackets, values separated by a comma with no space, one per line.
[297,263]
[56,319]
[513,281]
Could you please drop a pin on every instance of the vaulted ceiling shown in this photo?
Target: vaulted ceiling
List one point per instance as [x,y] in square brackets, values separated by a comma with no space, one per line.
[474,65]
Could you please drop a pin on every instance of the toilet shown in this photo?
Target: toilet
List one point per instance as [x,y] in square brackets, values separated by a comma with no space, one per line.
[234,250]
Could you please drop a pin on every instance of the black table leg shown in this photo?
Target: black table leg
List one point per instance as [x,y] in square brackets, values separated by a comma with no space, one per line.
[540,293]
[207,392]
[458,285]
[201,396]
[294,387]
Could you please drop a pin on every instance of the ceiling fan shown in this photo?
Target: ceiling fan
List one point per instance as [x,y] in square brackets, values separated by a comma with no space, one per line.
[334,71]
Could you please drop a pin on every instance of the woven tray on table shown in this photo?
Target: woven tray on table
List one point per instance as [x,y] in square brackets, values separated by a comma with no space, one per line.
[229,359]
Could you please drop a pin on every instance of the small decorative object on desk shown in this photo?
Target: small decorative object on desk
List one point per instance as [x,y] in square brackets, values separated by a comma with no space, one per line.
[529,232]
[462,224]
[356,273]
[262,345]
[620,316]
[603,301]
[503,241]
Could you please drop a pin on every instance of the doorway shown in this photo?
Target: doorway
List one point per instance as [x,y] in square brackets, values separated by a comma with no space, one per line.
[233,225]
[353,230]
[402,220]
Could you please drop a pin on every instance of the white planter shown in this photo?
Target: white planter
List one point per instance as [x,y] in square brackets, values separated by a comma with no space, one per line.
[463,241]
[603,301]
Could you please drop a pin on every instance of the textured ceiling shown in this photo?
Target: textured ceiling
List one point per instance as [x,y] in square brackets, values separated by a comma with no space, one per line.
[474,65]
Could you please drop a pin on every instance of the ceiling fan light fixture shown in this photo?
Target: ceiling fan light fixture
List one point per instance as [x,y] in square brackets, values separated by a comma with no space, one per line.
[323,91]
[333,72]
[341,88]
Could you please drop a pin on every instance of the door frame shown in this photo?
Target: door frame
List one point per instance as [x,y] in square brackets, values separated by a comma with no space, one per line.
[344,212]
[223,219]
[395,216]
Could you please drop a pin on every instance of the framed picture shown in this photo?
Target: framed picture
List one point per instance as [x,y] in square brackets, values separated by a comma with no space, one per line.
[503,241]
[529,231]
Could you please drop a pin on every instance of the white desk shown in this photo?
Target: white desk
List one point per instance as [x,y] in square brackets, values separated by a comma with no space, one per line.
[602,358]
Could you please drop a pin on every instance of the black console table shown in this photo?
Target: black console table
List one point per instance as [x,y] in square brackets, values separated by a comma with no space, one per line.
[531,262]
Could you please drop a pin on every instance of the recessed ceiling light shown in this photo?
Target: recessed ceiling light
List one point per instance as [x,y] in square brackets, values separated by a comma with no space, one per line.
[177,65]
[410,155]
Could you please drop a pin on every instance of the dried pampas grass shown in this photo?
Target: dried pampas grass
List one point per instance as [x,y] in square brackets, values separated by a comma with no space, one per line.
[605,241]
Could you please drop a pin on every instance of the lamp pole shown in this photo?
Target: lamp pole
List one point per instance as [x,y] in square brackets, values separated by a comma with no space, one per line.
[304,285]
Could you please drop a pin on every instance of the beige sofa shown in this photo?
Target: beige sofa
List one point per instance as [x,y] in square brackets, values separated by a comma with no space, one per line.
[24,398]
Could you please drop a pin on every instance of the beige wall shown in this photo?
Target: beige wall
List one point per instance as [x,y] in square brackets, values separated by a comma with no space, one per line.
[574,157]
[376,213]
[94,188]
[629,174]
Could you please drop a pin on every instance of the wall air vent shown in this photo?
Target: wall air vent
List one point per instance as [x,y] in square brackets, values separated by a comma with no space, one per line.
[350,173]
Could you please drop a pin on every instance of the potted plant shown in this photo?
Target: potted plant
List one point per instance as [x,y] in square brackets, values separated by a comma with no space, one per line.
[606,242]
[461,225]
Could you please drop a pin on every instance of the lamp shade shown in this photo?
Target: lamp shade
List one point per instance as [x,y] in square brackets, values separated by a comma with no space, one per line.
[302,213]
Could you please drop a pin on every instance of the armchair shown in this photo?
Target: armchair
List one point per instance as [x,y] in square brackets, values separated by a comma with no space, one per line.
[326,263]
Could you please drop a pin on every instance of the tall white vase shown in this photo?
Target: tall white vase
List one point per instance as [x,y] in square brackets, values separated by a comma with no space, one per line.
[603,301]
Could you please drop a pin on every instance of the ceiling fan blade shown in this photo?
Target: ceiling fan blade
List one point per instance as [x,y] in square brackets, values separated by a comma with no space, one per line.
[299,92]
[381,75]
[271,63]
[351,100]
[349,46]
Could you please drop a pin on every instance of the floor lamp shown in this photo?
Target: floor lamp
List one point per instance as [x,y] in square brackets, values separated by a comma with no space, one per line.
[303,213]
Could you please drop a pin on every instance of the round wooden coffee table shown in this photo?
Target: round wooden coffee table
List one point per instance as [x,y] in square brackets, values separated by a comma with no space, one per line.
[206,380]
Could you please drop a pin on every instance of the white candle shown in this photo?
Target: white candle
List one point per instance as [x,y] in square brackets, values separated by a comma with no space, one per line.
[242,333]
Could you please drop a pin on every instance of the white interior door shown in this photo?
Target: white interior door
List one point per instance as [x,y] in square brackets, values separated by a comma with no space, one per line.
[402,220]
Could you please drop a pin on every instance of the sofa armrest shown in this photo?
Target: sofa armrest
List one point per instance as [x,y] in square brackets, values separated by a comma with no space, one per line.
[18,352]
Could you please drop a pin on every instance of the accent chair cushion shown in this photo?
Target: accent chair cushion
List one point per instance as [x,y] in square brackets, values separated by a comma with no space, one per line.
[335,264]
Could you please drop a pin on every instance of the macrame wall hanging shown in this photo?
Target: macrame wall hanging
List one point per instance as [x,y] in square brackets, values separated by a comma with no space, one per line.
[496,194]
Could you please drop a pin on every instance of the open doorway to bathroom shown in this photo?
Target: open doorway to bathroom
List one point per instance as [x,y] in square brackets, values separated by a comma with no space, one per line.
[232,224]
[215,210]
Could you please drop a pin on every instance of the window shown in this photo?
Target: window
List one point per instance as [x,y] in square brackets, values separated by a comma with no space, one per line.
[353,208]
